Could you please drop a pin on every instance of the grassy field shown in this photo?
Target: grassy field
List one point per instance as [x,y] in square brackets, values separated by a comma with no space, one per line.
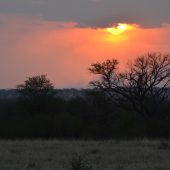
[101,155]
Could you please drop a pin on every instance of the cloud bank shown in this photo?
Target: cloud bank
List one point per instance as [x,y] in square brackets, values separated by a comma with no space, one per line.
[93,13]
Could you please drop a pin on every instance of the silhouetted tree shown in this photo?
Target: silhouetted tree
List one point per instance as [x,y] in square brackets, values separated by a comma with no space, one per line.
[142,88]
[36,93]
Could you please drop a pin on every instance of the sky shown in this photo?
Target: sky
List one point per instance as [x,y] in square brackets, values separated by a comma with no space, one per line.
[62,38]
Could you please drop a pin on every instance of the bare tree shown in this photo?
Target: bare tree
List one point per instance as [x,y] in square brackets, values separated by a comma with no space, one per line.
[142,88]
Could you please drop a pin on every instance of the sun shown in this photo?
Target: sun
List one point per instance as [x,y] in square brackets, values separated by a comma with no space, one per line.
[119,29]
[120,32]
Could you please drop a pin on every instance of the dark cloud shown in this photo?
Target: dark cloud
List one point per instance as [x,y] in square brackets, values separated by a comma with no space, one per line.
[94,13]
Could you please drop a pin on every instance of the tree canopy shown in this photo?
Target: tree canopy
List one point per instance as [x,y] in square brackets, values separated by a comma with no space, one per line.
[36,93]
[141,88]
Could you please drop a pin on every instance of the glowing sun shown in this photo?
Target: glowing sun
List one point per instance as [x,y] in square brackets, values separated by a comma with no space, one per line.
[119,29]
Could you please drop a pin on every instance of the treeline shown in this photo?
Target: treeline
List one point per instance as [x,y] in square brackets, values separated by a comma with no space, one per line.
[90,117]
[131,104]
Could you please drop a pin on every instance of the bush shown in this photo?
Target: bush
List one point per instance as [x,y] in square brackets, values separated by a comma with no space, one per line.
[79,163]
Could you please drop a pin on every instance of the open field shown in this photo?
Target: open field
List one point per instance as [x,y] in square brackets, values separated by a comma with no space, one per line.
[101,155]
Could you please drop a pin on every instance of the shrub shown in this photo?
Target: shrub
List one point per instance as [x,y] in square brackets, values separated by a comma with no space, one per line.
[79,162]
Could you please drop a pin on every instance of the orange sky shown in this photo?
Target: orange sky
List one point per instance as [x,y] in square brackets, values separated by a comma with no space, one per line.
[31,46]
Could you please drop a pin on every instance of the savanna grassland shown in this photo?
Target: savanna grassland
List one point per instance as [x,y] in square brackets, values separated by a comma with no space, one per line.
[100,155]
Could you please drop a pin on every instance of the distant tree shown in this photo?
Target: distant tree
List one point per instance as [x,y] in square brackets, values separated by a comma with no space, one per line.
[36,93]
[142,88]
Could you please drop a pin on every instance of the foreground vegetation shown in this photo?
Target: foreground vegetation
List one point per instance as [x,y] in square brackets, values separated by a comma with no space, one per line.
[100,155]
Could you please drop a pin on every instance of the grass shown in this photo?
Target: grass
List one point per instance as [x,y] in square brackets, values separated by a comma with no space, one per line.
[101,155]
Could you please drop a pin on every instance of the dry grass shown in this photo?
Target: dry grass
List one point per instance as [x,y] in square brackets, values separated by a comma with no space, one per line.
[101,155]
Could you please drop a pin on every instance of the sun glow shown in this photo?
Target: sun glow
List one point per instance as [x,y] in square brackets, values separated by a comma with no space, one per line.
[119,29]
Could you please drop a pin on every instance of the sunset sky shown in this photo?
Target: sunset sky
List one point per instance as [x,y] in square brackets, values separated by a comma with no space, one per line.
[61,38]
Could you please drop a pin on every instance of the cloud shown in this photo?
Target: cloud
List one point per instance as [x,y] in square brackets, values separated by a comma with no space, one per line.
[93,13]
